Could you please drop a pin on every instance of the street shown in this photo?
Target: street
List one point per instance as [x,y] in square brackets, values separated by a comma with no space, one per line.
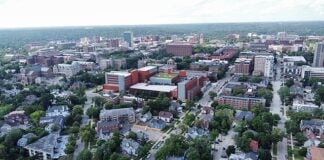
[275,109]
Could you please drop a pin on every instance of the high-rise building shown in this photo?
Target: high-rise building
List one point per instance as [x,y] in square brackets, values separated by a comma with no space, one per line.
[243,66]
[128,37]
[179,49]
[318,60]
[263,65]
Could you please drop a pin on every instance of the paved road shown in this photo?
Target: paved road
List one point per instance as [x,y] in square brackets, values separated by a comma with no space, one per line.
[275,109]
[85,119]
[227,141]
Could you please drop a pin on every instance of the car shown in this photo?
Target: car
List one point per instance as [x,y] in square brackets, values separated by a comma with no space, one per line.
[223,148]
[217,142]
[148,156]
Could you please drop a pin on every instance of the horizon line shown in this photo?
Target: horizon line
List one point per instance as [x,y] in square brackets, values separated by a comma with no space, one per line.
[133,25]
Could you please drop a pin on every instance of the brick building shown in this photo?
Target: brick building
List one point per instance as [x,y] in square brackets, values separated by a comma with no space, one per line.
[241,102]
[179,49]
[243,66]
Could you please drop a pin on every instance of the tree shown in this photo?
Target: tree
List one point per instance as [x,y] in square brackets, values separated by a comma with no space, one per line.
[264,154]
[289,82]
[212,94]
[300,138]
[176,145]
[84,155]
[93,112]
[319,95]
[35,116]
[77,110]
[201,147]
[189,119]
[276,135]
[284,93]
[302,151]
[132,135]
[266,94]
[230,150]
[99,101]
[87,134]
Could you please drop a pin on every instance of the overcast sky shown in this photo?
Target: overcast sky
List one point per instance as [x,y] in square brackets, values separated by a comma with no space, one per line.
[39,13]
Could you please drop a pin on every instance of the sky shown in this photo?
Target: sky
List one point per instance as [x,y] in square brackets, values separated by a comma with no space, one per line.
[47,13]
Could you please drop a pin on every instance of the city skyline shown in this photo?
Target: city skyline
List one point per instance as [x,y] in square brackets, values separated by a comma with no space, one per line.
[45,13]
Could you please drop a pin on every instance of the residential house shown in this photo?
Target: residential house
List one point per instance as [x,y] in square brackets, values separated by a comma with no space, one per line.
[194,132]
[254,145]
[49,147]
[175,107]
[25,139]
[166,116]
[16,118]
[122,114]
[146,117]
[57,111]
[130,147]
[314,125]
[157,123]
[244,115]
[58,121]
[315,153]
[106,127]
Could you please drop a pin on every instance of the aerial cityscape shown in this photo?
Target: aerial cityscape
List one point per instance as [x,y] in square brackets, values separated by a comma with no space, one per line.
[153,89]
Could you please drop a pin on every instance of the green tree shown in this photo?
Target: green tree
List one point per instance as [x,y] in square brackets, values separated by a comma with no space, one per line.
[188,119]
[84,155]
[132,135]
[93,112]
[230,150]
[35,116]
[264,154]
[87,134]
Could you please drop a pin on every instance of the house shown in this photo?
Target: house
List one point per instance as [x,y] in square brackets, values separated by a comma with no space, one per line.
[57,111]
[166,116]
[49,147]
[194,132]
[296,90]
[315,153]
[175,107]
[207,110]
[16,118]
[121,115]
[50,121]
[130,147]
[244,115]
[106,127]
[254,145]
[25,139]
[315,125]
[146,117]
[142,135]
[157,123]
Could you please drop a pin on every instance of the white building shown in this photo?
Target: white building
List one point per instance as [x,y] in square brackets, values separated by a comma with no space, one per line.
[263,65]
[68,70]
[57,111]
[293,64]
[312,72]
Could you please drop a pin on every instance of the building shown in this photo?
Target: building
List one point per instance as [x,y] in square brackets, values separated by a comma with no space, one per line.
[45,60]
[117,81]
[130,147]
[308,72]
[243,66]
[225,53]
[57,121]
[16,118]
[241,102]
[106,127]
[68,70]
[146,72]
[293,65]
[254,146]
[166,116]
[49,147]
[57,111]
[85,65]
[258,47]
[25,139]
[263,65]
[164,78]
[113,43]
[153,90]
[315,125]
[189,88]
[318,60]
[157,123]
[120,115]
[315,153]
[128,37]
[179,49]
[116,64]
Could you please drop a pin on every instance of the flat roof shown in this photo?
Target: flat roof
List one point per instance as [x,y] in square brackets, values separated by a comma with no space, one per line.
[295,58]
[147,68]
[165,75]
[158,88]
[119,73]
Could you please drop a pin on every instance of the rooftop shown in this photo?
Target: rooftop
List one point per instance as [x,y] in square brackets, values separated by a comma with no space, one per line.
[158,88]
[165,75]
[294,59]
[45,144]
[147,68]
[317,153]
[119,73]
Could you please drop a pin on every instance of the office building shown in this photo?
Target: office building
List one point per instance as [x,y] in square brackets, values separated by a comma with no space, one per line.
[308,72]
[292,65]
[68,70]
[318,60]
[117,81]
[153,90]
[243,66]
[263,65]
[128,37]
[258,47]
[116,64]
[189,88]
[179,49]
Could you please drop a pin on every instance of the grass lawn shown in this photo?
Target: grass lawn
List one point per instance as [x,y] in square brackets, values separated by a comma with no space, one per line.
[296,154]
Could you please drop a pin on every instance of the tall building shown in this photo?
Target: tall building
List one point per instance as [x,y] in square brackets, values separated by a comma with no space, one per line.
[312,72]
[179,49]
[318,60]
[243,66]
[263,65]
[117,81]
[128,37]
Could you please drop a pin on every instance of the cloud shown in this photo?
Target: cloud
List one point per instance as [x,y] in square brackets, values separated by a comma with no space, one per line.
[30,13]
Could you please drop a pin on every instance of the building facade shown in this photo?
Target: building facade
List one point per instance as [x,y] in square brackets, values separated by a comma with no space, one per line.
[179,49]
[263,65]
[243,66]
[241,102]
[128,37]
[318,60]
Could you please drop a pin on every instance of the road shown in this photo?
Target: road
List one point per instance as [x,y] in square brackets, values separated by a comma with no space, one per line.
[85,119]
[275,109]
[227,140]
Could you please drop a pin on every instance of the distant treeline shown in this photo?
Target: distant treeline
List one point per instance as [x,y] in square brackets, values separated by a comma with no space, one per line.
[19,37]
